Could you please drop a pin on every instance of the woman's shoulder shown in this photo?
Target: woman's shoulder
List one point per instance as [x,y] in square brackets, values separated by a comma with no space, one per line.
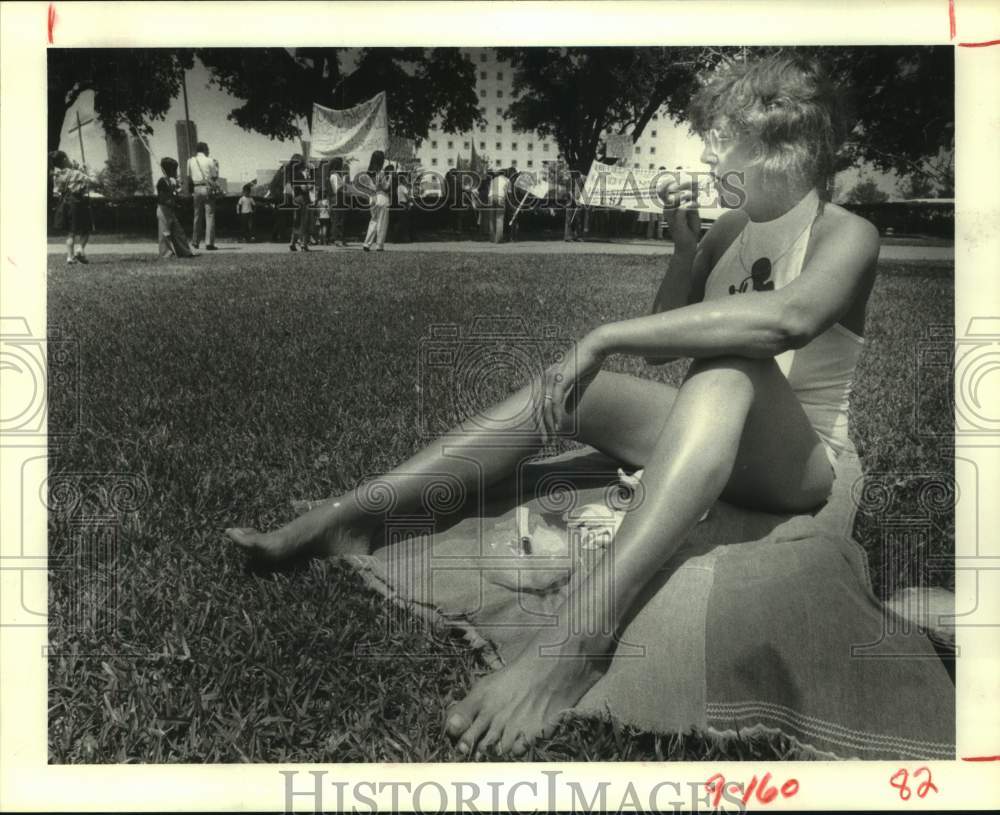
[836,224]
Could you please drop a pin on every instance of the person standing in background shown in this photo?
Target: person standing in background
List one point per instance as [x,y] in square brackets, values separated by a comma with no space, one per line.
[377,184]
[244,208]
[338,204]
[498,202]
[172,240]
[300,224]
[72,184]
[204,174]
[403,202]
[571,229]
[324,221]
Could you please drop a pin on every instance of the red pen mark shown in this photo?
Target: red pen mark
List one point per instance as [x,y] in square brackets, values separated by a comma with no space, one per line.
[979,44]
[980,758]
[900,778]
[52,21]
[717,785]
[951,17]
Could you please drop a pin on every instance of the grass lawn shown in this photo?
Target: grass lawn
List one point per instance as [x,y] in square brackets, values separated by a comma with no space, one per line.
[233,387]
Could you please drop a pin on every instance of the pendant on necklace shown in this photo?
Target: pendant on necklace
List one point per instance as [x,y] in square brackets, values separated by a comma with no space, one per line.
[758,277]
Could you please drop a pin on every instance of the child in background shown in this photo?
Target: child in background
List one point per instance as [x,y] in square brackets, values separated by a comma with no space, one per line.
[324,220]
[173,241]
[245,208]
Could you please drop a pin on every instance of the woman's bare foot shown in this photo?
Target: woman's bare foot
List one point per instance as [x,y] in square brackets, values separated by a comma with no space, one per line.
[523,701]
[318,533]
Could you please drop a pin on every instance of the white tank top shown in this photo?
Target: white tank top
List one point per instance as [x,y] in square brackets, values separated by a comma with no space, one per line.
[767,256]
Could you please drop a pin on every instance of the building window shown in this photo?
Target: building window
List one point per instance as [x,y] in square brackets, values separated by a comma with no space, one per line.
[499,94]
[636,165]
[465,145]
[499,111]
[434,145]
[482,145]
[434,162]
[652,166]
[497,162]
[482,128]
[655,118]
[451,162]
[482,74]
[513,162]
[483,57]
[451,145]
[652,150]
[482,93]
[531,163]
[654,134]
[545,147]
[637,148]
[482,111]
[531,145]
[513,145]
[499,146]
[499,128]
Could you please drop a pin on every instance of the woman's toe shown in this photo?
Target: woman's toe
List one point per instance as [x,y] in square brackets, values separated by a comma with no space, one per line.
[520,747]
[492,736]
[470,738]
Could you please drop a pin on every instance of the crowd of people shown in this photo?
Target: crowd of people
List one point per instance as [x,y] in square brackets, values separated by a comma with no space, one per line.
[310,203]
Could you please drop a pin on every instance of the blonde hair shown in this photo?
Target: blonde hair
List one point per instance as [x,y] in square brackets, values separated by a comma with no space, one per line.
[786,107]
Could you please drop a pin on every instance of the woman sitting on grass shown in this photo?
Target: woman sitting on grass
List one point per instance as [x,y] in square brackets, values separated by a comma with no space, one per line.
[770,305]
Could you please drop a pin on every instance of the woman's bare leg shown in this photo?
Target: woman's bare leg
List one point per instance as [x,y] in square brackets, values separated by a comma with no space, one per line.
[618,414]
[735,428]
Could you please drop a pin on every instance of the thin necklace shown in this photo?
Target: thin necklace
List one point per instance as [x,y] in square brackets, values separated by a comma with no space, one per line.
[743,236]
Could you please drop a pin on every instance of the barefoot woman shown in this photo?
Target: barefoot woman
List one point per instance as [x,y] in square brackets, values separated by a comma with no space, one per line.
[770,305]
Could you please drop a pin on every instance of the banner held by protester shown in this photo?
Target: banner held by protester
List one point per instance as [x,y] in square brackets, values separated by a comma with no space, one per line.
[352,133]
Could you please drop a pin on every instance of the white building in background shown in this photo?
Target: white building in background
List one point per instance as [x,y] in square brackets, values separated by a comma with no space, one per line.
[662,144]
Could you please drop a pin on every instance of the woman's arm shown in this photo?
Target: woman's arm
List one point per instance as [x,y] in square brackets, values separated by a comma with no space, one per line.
[758,324]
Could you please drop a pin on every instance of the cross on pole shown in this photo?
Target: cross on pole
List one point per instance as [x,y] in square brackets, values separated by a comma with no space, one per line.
[79,132]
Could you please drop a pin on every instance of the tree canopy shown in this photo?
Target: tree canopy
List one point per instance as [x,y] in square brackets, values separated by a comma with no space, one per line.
[131,85]
[278,86]
[902,97]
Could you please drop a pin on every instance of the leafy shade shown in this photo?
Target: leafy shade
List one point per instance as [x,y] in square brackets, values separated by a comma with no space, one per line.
[278,87]
[576,94]
[131,85]
[902,97]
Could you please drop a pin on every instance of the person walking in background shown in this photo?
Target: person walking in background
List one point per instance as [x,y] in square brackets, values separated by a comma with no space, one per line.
[204,174]
[72,184]
[245,208]
[338,201]
[173,241]
[377,184]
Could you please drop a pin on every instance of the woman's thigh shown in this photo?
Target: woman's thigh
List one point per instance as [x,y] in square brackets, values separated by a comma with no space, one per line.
[780,464]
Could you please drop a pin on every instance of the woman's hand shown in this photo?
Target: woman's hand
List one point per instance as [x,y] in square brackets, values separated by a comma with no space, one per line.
[577,365]
[685,226]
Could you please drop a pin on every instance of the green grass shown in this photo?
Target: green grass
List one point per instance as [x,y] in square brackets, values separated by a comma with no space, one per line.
[233,387]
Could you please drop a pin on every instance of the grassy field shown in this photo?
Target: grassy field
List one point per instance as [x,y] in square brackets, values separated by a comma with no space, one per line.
[231,388]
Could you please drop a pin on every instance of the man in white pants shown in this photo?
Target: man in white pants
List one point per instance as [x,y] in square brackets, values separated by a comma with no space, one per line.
[204,174]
